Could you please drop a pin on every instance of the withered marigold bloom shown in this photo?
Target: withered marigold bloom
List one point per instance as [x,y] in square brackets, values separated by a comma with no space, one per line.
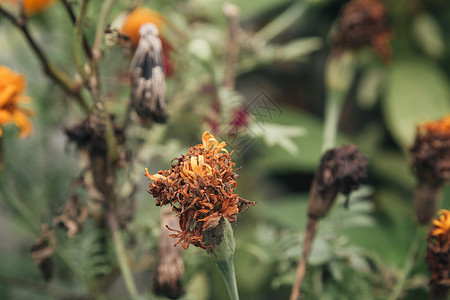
[341,169]
[438,255]
[200,188]
[143,15]
[12,86]
[431,165]
[89,135]
[363,23]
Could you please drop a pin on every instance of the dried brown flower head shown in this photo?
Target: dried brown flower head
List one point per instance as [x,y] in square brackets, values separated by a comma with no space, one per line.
[89,135]
[200,188]
[431,164]
[363,23]
[438,254]
[431,151]
[341,169]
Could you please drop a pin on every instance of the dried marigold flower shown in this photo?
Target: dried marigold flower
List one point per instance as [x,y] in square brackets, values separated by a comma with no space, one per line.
[341,169]
[200,188]
[363,23]
[140,16]
[11,87]
[431,165]
[89,135]
[438,255]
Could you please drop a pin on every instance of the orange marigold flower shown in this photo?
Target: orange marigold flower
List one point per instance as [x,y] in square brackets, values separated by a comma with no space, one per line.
[11,87]
[32,7]
[438,253]
[141,16]
[200,188]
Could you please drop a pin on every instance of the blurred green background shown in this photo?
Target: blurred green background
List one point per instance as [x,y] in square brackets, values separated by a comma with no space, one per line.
[284,45]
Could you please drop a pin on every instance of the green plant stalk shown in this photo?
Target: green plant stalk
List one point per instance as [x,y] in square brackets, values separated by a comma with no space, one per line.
[333,108]
[222,240]
[121,256]
[226,269]
[282,22]
[77,40]
[407,267]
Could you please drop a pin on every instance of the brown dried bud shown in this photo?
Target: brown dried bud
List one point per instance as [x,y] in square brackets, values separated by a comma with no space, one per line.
[89,135]
[431,165]
[42,251]
[341,169]
[170,268]
[438,255]
[363,23]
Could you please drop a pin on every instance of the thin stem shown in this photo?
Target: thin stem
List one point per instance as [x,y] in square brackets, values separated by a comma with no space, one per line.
[121,255]
[71,87]
[73,18]
[77,38]
[409,263]
[226,269]
[282,22]
[232,13]
[17,205]
[311,228]
[333,107]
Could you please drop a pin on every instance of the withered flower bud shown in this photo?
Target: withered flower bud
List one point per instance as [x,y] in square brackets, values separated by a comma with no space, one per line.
[170,268]
[73,215]
[431,165]
[363,23]
[42,251]
[341,169]
[89,135]
[200,188]
[438,255]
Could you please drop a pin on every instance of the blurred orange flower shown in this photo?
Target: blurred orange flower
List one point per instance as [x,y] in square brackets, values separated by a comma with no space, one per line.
[439,127]
[11,87]
[441,226]
[31,7]
[200,188]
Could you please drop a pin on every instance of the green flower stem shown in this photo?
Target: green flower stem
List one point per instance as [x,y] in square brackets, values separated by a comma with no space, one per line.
[226,269]
[333,108]
[121,256]
[17,205]
[222,240]
[409,263]
[77,40]
[339,77]
[283,21]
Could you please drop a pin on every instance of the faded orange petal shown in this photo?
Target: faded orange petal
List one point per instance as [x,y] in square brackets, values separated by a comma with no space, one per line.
[24,124]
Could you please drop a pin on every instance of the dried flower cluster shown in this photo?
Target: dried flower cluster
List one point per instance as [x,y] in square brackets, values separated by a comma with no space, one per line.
[431,151]
[200,188]
[12,86]
[341,169]
[431,165]
[438,253]
[363,23]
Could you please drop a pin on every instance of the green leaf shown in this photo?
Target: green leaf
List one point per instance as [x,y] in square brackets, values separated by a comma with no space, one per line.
[417,91]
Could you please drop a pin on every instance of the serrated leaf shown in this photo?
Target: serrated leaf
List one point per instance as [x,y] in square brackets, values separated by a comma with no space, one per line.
[417,91]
